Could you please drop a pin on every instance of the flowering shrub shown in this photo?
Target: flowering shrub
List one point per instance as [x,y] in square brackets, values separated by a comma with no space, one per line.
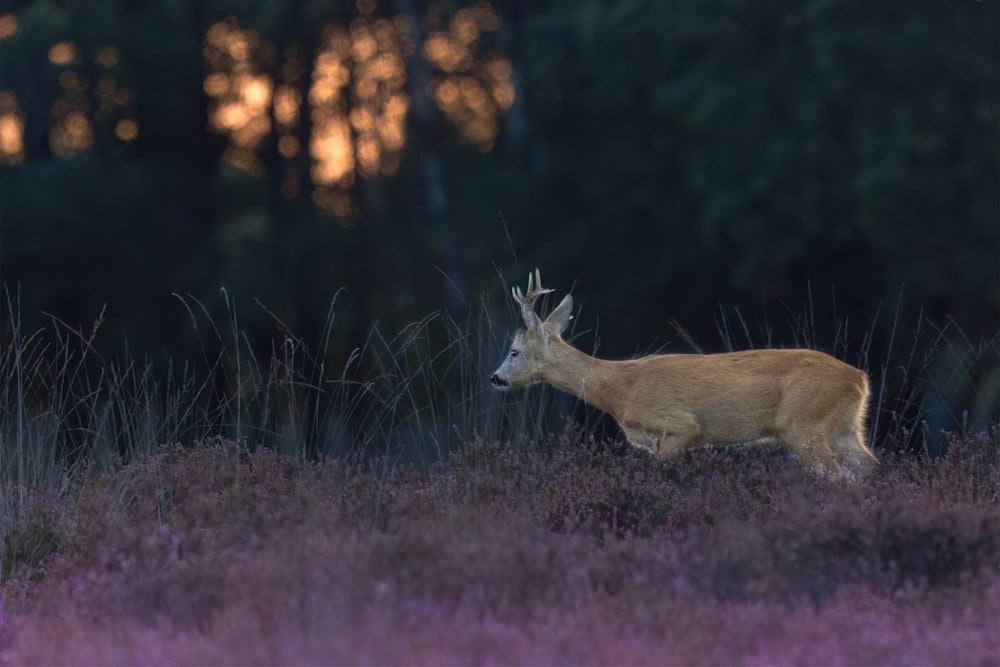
[563,552]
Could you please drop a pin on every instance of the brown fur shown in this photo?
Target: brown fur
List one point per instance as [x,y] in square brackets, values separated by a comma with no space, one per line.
[667,404]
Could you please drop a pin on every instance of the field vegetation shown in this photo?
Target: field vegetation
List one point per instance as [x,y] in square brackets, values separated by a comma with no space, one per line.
[262,508]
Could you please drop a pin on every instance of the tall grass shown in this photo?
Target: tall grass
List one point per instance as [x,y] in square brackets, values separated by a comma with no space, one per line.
[410,395]
[404,397]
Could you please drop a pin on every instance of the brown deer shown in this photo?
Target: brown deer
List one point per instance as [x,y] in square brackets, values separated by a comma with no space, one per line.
[667,404]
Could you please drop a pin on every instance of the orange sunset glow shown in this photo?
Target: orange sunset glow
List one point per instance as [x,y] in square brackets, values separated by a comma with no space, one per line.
[82,105]
[356,102]
[331,116]
[472,92]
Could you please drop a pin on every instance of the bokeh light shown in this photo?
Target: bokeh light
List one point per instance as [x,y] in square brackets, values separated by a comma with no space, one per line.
[331,117]
[11,129]
[474,93]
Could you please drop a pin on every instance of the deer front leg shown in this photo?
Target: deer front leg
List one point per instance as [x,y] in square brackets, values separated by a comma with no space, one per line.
[668,442]
[642,440]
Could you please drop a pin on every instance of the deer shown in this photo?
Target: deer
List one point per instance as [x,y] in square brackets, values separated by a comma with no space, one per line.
[668,404]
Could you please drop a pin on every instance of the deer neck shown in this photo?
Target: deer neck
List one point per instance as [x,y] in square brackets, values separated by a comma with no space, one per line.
[593,380]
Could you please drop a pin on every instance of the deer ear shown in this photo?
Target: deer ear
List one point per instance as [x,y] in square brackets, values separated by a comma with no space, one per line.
[559,318]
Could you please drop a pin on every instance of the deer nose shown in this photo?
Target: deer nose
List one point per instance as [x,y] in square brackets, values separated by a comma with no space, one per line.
[498,381]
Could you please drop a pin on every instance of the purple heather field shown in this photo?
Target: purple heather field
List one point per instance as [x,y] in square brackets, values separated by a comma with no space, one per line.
[564,553]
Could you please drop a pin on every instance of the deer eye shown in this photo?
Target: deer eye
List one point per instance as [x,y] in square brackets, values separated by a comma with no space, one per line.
[514,353]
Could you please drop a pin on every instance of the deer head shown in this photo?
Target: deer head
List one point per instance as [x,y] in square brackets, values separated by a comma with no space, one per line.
[530,353]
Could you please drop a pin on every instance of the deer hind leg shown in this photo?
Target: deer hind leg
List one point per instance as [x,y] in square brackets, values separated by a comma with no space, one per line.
[812,447]
[828,435]
[849,447]
[805,427]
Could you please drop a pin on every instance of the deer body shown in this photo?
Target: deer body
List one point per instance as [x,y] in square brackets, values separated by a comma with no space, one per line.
[667,404]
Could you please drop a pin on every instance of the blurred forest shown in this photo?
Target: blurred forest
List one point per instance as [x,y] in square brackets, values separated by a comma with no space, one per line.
[666,161]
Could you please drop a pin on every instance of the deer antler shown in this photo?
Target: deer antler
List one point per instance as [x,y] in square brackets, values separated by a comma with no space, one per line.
[527,301]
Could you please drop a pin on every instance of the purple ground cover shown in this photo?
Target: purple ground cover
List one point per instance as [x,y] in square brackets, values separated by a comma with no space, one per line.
[561,554]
